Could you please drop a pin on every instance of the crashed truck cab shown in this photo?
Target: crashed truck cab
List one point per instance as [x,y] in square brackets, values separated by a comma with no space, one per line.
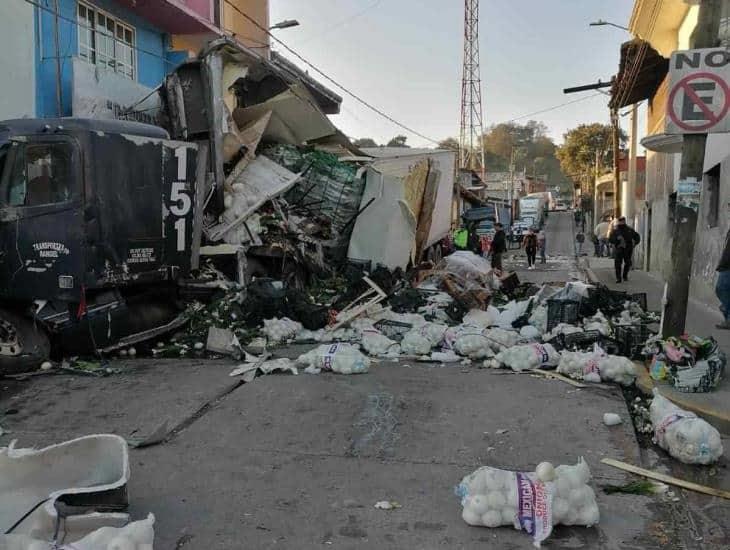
[95,216]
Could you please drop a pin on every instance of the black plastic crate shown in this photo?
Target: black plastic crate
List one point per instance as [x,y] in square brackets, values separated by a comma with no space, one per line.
[639,298]
[395,330]
[630,339]
[562,311]
[581,340]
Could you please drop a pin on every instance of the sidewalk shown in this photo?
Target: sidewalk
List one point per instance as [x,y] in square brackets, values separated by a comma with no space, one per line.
[701,320]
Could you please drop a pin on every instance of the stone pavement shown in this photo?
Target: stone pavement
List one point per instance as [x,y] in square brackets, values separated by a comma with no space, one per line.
[701,320]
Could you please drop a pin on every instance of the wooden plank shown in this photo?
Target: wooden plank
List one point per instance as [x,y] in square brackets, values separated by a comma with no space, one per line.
[558,376]
[666,479]
[425,218]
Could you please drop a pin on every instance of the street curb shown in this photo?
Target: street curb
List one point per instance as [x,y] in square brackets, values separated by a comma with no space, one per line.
[646,384]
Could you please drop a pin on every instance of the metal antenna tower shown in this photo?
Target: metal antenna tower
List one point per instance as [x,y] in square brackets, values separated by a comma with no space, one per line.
[471,151]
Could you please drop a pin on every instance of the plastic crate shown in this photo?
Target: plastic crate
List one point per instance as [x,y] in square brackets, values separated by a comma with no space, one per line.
[639,298]
[395,330]
[581,340]
[630,339]
[562,311]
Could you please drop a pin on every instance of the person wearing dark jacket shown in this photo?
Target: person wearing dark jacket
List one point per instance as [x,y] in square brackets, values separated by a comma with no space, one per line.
[623,238]
[723,284]
[499,246]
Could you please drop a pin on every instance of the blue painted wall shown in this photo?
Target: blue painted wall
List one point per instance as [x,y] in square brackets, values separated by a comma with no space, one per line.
[152,64]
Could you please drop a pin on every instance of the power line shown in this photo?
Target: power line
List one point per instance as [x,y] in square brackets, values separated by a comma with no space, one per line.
[555,107]
[343,22]
[330,79]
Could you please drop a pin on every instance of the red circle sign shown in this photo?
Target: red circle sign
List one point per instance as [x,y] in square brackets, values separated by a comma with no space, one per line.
[712,118]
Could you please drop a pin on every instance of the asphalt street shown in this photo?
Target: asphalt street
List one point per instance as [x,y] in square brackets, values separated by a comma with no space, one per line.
[300,461]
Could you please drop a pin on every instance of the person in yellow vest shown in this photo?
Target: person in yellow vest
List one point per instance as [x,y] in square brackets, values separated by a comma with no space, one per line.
[466,238]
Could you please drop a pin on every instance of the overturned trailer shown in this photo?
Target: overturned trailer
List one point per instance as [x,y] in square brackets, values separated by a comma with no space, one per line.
[406,208]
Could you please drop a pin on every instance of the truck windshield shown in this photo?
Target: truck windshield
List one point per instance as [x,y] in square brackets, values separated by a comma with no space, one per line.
[40,174]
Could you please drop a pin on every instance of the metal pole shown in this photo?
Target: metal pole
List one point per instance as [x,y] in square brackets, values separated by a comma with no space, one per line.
[616,164]
[56,40]
[629,209]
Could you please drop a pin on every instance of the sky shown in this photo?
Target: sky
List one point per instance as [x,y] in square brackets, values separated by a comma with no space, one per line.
[405,57]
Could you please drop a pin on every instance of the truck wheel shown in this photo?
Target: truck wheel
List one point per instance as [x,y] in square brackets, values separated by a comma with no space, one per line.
[23,345]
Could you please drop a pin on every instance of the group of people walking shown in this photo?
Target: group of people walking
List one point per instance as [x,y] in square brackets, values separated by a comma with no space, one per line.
[616,239]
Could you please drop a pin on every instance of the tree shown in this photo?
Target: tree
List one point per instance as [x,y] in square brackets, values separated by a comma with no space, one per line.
[449,143]
[582,145]
[397,141]
[365,142]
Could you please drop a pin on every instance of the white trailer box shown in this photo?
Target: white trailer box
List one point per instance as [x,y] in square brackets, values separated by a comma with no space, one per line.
[408,194]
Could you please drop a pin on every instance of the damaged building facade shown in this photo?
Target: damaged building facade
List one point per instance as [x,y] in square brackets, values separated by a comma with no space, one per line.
[102,58]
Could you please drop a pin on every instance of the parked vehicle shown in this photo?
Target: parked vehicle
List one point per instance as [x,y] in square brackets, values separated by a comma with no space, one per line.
[534,206]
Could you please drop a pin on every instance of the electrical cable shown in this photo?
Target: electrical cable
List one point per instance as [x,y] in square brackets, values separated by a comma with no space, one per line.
[330,79]
[555,107]
[343,22]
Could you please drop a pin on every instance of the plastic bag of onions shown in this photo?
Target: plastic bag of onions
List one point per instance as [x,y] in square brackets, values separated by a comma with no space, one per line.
[529,501]
[339,358]
[684,436]
[529,356]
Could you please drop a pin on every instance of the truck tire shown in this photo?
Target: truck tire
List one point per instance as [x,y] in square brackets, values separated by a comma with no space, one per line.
[23,345]
[434,254]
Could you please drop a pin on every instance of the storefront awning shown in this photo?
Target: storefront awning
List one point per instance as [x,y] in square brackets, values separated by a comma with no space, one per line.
[641,71]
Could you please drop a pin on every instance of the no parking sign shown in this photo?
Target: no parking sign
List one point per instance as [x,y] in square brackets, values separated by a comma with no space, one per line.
[699,94]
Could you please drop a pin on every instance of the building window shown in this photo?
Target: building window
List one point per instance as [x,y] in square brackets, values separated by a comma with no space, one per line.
[105,41]
[713,195]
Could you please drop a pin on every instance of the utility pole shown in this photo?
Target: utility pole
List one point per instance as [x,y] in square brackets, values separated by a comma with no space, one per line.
[616,163]
[629,206]
[56,40]
[471,131]
[674,316]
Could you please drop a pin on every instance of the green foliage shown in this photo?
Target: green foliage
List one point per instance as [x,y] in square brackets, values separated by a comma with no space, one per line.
[582,146]
[397,141]
[365,142]
[642,487]
[449,143]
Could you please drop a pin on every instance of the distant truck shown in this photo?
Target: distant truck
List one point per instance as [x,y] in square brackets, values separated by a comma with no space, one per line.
[534,207]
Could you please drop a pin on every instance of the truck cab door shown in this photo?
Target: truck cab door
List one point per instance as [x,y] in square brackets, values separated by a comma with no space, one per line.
[41,220]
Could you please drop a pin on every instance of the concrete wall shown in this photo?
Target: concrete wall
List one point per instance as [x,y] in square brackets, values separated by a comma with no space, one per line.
[243,29]
[152,64]
[17,36]
[660,170]
[710,239]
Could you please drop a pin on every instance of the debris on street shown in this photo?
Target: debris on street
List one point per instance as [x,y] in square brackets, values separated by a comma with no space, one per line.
[33,496]
[612,419]
[682,434]
[529,501]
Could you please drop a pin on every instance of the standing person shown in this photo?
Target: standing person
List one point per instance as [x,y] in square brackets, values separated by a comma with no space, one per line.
[461,238]
[623,238]
[601,232]
[499,246]
[530,244]
[723,284]
[579,240]
[541,245]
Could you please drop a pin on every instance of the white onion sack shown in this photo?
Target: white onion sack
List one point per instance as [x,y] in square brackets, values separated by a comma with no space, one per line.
[684,436]
[420,340]
[580,365]
[473,345]
[530,333]
[280,330]
[538,318]
[501,338]
[529,356]
[481,318]
[377,344]
[598,322]
[529,501]
[614,368]
[339,358]
[511,312]
[596,366]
